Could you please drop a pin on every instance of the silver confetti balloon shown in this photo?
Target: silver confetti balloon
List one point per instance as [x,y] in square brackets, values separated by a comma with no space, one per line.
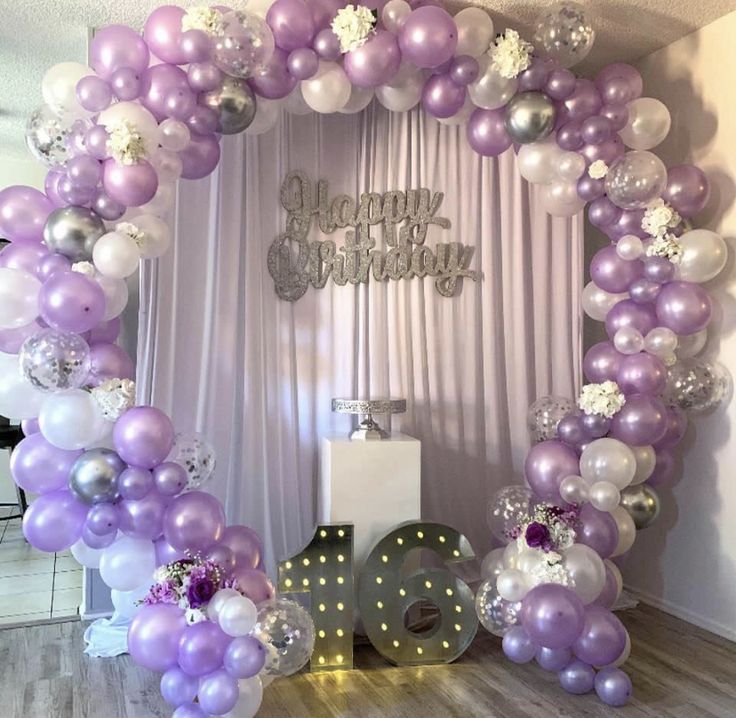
[508,509]
[696,386]
[642,504]
[234,103]
[564,33]
[243,45]
[73,232]
[94,476]
[287,632]
[530,117]
[47,136]
[635,179]
[196,456]
[53,360]
[495,614]
[544,415]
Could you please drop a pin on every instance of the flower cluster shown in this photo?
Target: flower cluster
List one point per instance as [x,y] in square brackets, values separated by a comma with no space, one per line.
[659,217]
[190,584]
[605,399]
[132,231]
[598,169]
[85,268]
[510,54]
[114,397]
[206,19]
[667,246]
[125,144]
[353,24]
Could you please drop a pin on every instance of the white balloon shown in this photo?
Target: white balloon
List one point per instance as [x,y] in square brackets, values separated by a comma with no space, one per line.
[394,15]
[218,601]
[168,165]
[704,255]
[512,584]
[597,302]
[360,98]
[405,89]
[116,295]
[537,161]
[574,489]
[267,115]
[85,555]
[174,135]
[59,88]
[626,530]
[492,564]
[71,420]
[629,247]
[116,255]
[608,460]
[18,298]
[474,31]
[660,341]
[126,602]
[586,570]
[329,90]
[604,496]
[249,702]
[156,235]
[628,340]
[648,124]
[19,399]
[237,616]
[529,559]
[646,459]
[570,166]
[490,90]
[128,563]
[690,345]
[560,199]
[142,120]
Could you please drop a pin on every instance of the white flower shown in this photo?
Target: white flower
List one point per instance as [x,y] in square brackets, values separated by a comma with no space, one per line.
[86,268]
[126,145]
[667,246]
[598,169]
[132,231]
[206,19]
[160,574]
[353,24]
[659,217]
[605,399]
[510,55]
[194,615]
[114,397]
[551,570]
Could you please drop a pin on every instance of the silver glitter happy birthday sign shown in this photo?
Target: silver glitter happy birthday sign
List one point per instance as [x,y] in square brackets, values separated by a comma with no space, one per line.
[295,262]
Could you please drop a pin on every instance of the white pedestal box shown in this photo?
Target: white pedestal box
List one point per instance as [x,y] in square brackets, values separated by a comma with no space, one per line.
[371,484]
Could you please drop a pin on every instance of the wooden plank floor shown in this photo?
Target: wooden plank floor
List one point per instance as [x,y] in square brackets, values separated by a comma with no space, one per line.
[679,671]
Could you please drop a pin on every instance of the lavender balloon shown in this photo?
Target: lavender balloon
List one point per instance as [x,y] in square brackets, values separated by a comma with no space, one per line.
[93,93]
[553,659]
[583,102]
[194,521]
[570,429]
[547,463]
[641,421]
[144,518]
[94,541]
[104,332]
[569,137]
[200,157]
[126,83]
[102,519]
[166,553]
[143,436]
[610,591]
[676,427]
[245,543]
[135,483]
[244,657]
[292,24]
[464,70]
[23,256]
[71,302]
[116,47]
[442,96]
[518,646]
[683,307]
[109,361]
[170,478]
[327,45]
[162,33]
[189,710]
[658,269]
[613,687]
[218,693]
[613,274]
[598,530]
[302,63]
[154,636]
[688,189]
[274,81]
[577,678]
[428,38]
[40,467]
[642,374]
[486,132]
[664,468]
[254,584]
[375,62]
[23,214]
[596,425]
[602,639]
[560,84]
[619,74]
[156,83]
[603,213]
[178,688]
[202,648]
[552,615]
[628,313]
[129,185]
[54,521]
[204,76]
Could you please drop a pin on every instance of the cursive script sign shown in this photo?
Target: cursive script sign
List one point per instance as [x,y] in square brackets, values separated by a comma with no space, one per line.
[295,262]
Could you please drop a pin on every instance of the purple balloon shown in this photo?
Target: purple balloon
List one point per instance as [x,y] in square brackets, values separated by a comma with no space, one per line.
[577,678]
[629,222]
[218,693]
[688,189]
[552,615]
[196,45]
[51,184]
[189,710]
[596,425]
[617,115]
[40,467]
[584,101]
[560,84]
[71,302]
[628,313]
[203,121]
[644,291]
[547,463]
[115,47]
[602,212]
[254,584]
[613,274]
[72,193]
[178,688]
[165,553]
[11,340]
[200,157]
[613,687]
[642,373]
[180,103]
[244,657]
[126,83]
[428,38]
[291,23]
[517,646]
[684,307]
[202,648]
[204,76]
[170,478]
[608,151]
[327,45]
[303,63]
[23,214]
[553,659]
[109,361]
[102,519]
[194,521]
[620,81]
[602,362]
[245,543]
[222,556]
[609,594]
[676,427]
[143,518]
[464,70]
[23,256]
[569,136]
[442,97]
[106,207]
[93,93]
[29,426]
[95,141]
[274,81]
[596,130]
[107,331]
[162,33]
[84,171]
[597,530]
[94,541]
[659,269]
[641,421]
[50,264]
[602,639]
[486,132]
[154,636]
[143,436]
[570,429]
[129,185]
[375,62]
[664,468]
[534,78]
[54,521]
[156,83]
[324,11]
[590,189]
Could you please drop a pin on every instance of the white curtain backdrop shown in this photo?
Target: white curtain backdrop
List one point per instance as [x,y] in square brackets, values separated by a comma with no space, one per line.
[221,352]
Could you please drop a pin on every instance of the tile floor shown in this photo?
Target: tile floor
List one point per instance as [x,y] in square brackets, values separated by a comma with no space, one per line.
[35,586]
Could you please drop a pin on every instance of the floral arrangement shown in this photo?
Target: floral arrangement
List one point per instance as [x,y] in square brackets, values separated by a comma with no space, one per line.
[605,399]
[85,268]
[510,54]
[125,144]
[206,19]
[598,169]
[189,583]
[659,217]
[132,231]
[353,25]
[114,397]
[667,246]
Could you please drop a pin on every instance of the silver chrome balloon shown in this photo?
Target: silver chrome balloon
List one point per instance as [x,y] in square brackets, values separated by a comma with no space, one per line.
[530,117]
[642,504]
[73,232]
[234,103]
[94,476]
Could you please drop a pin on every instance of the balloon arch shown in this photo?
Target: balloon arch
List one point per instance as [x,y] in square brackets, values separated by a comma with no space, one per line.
[123,490]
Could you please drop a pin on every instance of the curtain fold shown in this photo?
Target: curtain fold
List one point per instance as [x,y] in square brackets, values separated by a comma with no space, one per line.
[225,356]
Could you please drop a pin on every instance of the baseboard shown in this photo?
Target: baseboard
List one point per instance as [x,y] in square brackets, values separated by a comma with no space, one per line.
[684,614]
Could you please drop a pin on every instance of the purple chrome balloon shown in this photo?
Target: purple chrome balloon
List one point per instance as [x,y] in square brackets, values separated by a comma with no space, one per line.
[54,521]
[602,639]
[547,463]
[170,478]
[162,33]
[442,97]
[71,302]
[518,646]
[102,519]
[560,84]
[274,81]
[577,678]
[143,436]
[613,274]
[642,373]
[23,214]
[428,38]
[375,62]
[553,659]
[143,519]
[688,189]
[129,185]
[486,132]
[117,47]
[244,657]
[245,543]
[327,45]
[291,23]
[684,307]
[200,157]
[303,63]
[628,313]
[621,81]
[641,421]
[613,687]
[552,615]
[177,688]
[202,648]
[598,530]
[254,584]
[40,467]
[194,521]
[154,636]
[109,361]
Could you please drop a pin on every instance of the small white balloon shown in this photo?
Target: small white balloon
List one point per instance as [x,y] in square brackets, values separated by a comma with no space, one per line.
[574,489]
[512,584]
[394,15]
[630,247]
[570,166]
[492,564]
[560,199]
[85,555]
[238,616]
[360,98]
[648,124]
[116,254]
[405,89]
[251,696]
[175,135]
[156,238]
[537,161]
[660,341]
[128,563]
[628,340]
[490,90]
[604,496]
[71,420]
[218,601]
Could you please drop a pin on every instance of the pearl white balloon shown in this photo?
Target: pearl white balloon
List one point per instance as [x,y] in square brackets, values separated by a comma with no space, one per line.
[59,88]
[490,90]
[648,124]
[608,460]
[629,247]
[560,199]
[492,564]
[237,616]
[512,584]
[597,302]
[116,255]
[660,341]
[125,603]
[474,32]
[394,15]
[529,559]
[574,489]
[19,399]
[156,235]
[267,115]
[570,166]
[691,345]
[18,298]
[128,563]
[704,255]
[628,340]
[586,570]
[218,601]
[175,135]
[116,295]
[626,530]
[604,496]
[143,121]
[71,419]
[405,89]
[646,459]
[360,98]
[329,90]
[251,696]
[85,555]
[537,161]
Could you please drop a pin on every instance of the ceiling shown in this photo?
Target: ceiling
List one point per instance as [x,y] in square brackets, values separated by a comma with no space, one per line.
[36,34]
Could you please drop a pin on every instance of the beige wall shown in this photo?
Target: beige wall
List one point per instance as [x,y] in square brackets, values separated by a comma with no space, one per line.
[687,562]
[15,171]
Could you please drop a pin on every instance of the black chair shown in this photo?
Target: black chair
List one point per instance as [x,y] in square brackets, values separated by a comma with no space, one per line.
[10,437]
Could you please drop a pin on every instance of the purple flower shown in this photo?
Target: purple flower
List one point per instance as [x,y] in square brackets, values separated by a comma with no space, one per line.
[201,590]
[537,536]
[164,592]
